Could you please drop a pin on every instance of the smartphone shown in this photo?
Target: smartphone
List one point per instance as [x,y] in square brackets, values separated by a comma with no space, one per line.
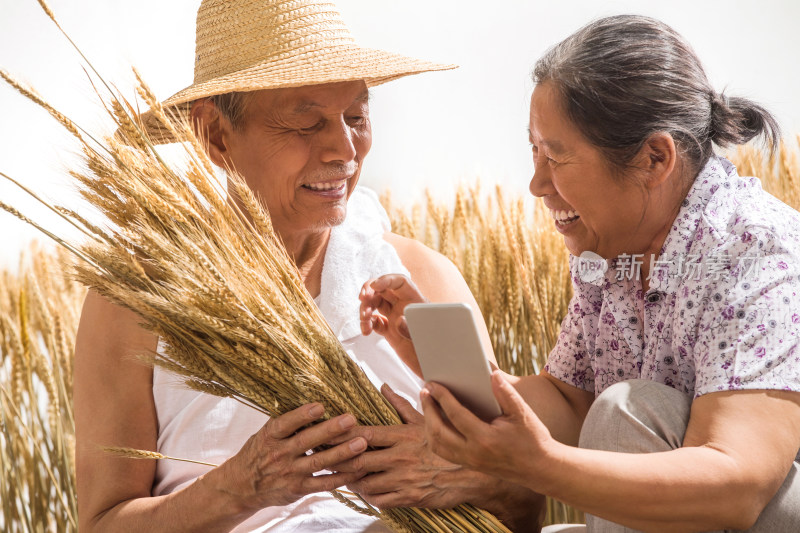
[450,352]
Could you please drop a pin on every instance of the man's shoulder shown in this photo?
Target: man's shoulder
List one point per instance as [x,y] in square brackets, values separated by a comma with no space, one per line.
[104,323]
[433,272]
[415,255]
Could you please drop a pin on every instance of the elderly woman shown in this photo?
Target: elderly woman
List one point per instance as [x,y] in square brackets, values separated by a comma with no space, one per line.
[671,401]
[280,96]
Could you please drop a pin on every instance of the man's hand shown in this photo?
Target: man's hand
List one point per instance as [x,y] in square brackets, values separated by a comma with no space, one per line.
[403,472]
[383,302]
[272,467]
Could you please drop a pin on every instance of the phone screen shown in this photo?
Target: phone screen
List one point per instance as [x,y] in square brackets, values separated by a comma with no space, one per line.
[450,352]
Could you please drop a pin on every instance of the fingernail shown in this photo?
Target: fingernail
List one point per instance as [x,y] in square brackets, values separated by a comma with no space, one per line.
[358,445]
[347,422]
[316,411]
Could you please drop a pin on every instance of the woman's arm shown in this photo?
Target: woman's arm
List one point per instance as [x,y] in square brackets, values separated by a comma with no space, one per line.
[738,449]
[114,407]
[561,407]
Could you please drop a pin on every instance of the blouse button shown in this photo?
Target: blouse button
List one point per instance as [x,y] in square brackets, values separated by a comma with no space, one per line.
[654,297]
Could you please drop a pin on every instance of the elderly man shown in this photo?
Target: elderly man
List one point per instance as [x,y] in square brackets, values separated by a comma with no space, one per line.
[281,97]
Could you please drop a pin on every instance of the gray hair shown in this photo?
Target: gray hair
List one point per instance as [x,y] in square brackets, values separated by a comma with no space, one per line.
[626,77]
[233,106]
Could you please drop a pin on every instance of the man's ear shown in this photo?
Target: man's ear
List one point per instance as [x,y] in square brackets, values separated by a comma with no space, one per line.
[213,130]
[657,158]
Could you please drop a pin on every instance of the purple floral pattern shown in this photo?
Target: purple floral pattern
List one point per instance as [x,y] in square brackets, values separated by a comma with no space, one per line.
[734,328]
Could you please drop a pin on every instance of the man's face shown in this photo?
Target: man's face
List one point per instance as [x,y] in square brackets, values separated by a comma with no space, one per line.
[301,149]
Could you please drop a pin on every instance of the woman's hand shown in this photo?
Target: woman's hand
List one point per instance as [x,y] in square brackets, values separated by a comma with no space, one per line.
[402,471]
[272,467]
[383,301]
[514,446]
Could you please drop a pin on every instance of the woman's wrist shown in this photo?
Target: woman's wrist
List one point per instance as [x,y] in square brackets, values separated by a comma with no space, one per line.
[542,469]
[518,507]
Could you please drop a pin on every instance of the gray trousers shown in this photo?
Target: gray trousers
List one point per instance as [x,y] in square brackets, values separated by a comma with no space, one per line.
[639,416]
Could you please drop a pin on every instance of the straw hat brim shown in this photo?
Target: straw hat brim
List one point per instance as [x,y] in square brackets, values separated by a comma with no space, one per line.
[343,64]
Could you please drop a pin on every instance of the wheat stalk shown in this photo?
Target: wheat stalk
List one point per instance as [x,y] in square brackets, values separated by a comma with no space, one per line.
[133,453]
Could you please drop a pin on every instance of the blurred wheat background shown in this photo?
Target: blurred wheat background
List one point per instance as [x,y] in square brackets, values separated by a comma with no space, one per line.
[513,259]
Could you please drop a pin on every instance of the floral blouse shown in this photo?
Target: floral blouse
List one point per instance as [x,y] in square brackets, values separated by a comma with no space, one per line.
[723,308]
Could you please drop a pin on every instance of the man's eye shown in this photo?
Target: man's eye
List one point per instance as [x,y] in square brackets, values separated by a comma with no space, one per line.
[310,129]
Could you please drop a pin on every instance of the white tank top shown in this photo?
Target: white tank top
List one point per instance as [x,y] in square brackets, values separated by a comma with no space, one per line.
[207,428]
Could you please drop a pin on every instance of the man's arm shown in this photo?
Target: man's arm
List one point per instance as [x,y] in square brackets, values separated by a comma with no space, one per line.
[114,406]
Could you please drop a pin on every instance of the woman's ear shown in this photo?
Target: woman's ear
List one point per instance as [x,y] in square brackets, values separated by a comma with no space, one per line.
[213,130]
[657,158]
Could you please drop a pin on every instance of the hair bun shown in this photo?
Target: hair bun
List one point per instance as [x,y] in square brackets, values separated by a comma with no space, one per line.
[719,103]
[735,121]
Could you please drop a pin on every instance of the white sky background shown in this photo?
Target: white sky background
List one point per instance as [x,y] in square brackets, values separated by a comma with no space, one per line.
[433,130]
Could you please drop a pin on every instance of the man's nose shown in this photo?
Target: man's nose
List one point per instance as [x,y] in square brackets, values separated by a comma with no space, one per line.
[337,142]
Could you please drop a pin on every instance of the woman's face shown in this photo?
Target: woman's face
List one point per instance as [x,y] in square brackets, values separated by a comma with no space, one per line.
[592,208]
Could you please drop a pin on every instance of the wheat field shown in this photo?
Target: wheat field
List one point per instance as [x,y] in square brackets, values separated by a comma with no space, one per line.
[512,258]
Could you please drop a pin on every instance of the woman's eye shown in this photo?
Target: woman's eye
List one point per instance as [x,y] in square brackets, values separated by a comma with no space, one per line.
[357,120]
[547,158]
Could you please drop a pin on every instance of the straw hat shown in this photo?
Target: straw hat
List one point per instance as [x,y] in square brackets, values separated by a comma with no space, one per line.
[248,45]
